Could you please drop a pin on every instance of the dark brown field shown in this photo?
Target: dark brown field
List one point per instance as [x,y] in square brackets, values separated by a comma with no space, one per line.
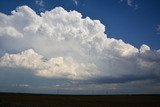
[44,100]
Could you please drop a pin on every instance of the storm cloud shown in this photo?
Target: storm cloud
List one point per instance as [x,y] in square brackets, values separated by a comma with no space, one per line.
[61,45]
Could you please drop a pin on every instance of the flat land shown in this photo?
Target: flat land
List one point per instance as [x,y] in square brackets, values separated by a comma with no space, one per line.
[47,100]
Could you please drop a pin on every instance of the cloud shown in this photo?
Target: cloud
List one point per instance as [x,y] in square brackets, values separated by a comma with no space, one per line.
[130,3]
[75,2]
[40,3]
[144,48]
[158,29]
[9,31]
[54,67]
[67,50]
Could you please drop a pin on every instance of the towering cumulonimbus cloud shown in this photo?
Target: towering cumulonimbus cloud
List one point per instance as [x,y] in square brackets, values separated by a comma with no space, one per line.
[61,44]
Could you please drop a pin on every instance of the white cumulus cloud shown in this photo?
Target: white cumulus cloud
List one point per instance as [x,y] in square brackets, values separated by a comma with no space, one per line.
[62,44]
[54,67]
[144,48]
[9,31]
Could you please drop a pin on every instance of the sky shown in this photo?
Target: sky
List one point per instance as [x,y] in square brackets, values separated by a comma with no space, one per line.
[134,21]
[80,46]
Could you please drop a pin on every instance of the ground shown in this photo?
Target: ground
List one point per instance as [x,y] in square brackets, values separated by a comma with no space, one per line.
[46,100]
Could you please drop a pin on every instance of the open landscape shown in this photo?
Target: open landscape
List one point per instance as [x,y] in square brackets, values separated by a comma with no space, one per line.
[48,100]
[79,53]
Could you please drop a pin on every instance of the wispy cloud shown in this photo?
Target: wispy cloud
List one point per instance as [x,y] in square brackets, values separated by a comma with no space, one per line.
[41,5]
[75,2]
[158,29]
[130,3]
[40,2]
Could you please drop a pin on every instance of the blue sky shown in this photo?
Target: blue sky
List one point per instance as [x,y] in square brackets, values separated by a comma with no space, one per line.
[46,46]
[135,24]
